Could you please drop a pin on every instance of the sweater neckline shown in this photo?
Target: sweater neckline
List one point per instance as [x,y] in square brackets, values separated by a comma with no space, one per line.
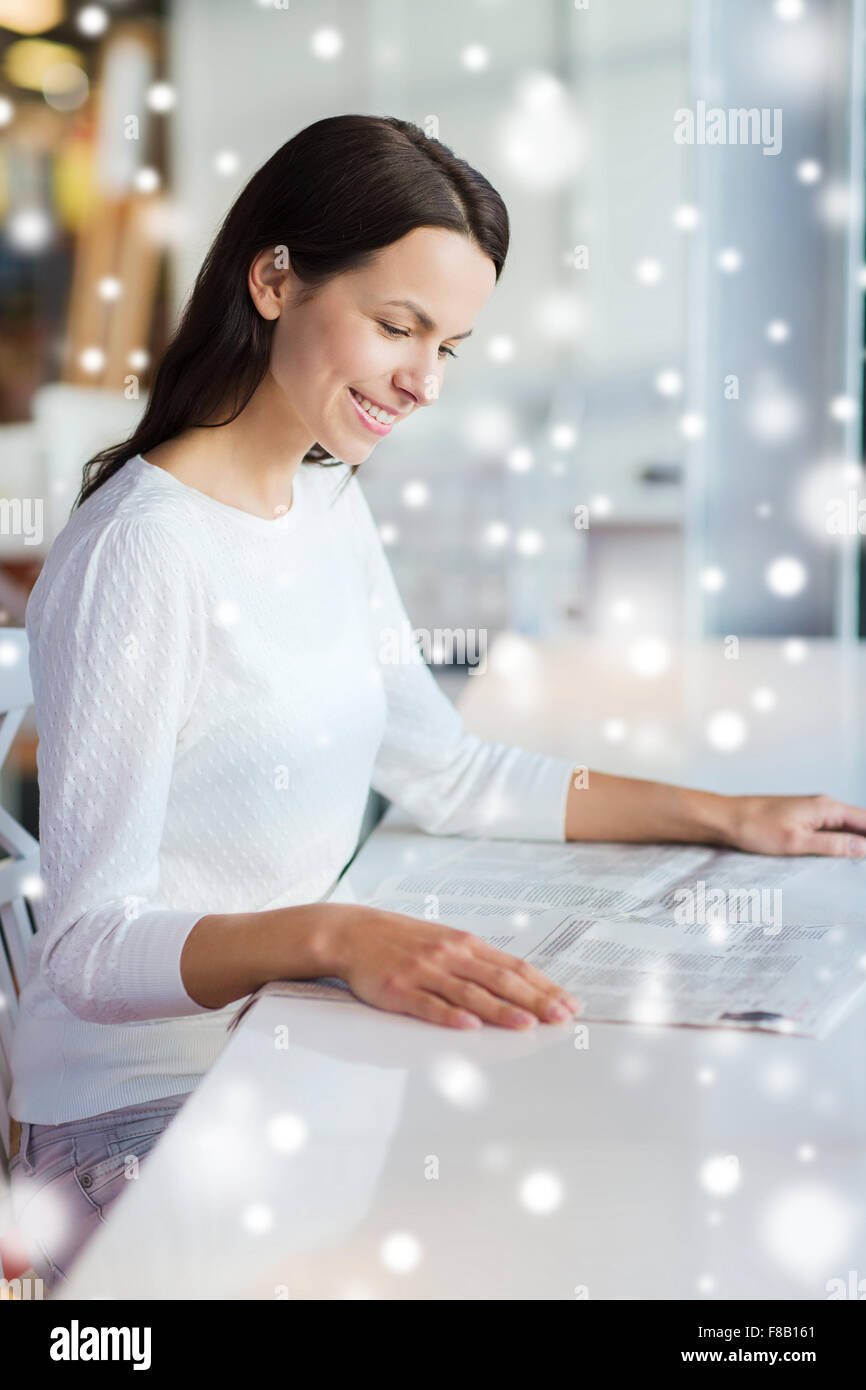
[277,527]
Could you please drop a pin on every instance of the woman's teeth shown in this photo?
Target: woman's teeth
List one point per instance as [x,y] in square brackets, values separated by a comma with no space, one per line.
[374,411]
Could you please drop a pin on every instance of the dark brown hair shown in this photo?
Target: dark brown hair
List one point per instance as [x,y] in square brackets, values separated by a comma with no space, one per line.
[333,195]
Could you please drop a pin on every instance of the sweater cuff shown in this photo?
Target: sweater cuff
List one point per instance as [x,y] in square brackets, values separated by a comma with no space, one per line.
[528,802]
[555,779]
[154,986]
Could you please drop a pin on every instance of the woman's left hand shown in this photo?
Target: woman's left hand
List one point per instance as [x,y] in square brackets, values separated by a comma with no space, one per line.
[798,825]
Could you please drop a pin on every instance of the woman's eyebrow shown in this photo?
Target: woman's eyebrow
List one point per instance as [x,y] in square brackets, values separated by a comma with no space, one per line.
[424,319]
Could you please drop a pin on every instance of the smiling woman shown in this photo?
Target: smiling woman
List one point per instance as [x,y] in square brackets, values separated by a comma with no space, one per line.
[329,302]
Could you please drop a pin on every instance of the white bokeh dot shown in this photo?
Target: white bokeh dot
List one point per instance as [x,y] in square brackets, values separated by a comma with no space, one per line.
[287,1133]
[226,162]
[29,229]
[327,43]
[794,649]
[686,217]
[808,171]
[720,1174]
[648,271]
[161,96]
[541,1192]
[729,260]
[92,359]
[400,1252]
[764,698]
[226,613]
[109,288]
[786,576]
[257,1218]
[778,331]
[669,382]
[459,1080]
[529,542]
[92,20]
[726,730]
[692,424]
[415,494]
[649,656]
[712,578]
[475,57]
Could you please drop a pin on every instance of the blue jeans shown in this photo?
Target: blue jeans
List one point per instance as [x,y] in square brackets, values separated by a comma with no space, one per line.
[65,1178]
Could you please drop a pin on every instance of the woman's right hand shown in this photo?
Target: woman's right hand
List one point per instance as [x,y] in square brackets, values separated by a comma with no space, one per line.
[408,966]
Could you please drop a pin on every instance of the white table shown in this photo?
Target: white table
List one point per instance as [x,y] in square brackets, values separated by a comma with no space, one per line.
[682,1163]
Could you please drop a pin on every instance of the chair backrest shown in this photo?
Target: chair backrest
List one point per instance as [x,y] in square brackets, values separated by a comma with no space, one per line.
[20,883]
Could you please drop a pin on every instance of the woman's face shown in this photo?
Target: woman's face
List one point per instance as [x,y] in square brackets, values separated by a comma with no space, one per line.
[350,342]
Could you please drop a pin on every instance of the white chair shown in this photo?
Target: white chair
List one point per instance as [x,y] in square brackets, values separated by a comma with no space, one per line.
[19,919]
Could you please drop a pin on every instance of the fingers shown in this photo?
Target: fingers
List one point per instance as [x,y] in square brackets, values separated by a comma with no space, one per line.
[829,843]
[464,1006]
[488,1007]
[495,993]
[446,995]
[420,1003]
[528,972]
[517,986]
[848,817]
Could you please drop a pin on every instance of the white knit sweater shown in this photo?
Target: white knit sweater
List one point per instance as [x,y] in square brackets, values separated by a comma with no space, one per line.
[215,694]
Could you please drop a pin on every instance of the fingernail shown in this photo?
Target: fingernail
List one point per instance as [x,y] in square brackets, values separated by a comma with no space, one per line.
[469,1021]
[523,1020]
[557,1011]
[856,846]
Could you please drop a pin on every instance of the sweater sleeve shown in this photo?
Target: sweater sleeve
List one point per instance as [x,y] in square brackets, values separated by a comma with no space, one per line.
[450,781]
[115,648]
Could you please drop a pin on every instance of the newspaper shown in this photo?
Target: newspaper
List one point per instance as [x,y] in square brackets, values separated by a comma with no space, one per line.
[670,934]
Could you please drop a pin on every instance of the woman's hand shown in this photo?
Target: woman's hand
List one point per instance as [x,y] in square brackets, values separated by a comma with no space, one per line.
[450,977]
[797,825]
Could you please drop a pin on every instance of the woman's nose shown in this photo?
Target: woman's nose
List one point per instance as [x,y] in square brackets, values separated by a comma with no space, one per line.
[422,387]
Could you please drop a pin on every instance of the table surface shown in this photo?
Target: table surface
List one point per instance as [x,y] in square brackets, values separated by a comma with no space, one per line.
[338,1151]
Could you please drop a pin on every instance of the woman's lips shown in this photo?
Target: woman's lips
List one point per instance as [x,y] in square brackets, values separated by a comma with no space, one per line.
[372,425]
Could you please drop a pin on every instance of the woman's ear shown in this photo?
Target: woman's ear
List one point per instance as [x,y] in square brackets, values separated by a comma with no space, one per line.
[269,281]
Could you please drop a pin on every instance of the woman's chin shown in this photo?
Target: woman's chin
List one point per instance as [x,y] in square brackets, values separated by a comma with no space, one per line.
[355,452]
[347,451]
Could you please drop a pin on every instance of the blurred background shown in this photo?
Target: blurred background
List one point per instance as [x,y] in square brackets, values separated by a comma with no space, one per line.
[654,434]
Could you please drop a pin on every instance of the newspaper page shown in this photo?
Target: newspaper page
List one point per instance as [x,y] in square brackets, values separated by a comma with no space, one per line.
[683,935]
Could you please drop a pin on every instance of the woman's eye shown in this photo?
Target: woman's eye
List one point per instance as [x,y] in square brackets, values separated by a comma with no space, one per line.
[403,333]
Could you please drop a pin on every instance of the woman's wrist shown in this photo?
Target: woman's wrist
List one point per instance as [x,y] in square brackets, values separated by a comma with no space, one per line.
[227,956]
[607,807]
[332,934]
[305,941]
[710,818]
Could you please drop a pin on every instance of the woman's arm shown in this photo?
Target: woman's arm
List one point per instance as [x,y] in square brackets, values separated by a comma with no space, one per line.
[601,807]
[227,956]
[427,970]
